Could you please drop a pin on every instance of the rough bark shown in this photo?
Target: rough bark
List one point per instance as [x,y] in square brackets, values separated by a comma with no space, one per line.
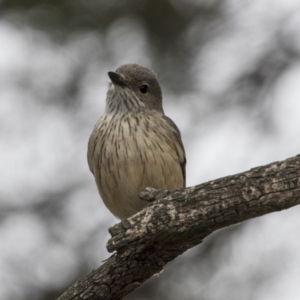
[178,220]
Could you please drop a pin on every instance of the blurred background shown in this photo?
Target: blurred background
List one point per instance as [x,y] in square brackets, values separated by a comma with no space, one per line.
[230,73]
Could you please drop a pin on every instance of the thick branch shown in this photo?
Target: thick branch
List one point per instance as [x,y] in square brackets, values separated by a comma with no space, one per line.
[178,220]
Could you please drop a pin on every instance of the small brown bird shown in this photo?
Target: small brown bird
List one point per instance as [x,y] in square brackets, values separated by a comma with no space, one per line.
[134,145]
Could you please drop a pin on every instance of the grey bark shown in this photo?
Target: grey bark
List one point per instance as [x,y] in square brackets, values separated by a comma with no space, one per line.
[178,220]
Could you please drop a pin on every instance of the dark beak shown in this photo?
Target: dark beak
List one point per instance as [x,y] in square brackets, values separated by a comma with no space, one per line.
[116,79]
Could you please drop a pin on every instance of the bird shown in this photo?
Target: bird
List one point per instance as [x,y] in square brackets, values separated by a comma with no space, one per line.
[134,145]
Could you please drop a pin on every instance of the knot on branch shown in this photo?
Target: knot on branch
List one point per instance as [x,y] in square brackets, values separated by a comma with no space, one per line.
[151,194]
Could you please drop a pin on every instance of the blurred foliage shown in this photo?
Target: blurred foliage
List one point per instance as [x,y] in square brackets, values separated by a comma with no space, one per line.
[164,23]
[164,20]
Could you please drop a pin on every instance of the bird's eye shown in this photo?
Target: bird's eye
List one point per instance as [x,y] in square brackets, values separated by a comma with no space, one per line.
[144,89]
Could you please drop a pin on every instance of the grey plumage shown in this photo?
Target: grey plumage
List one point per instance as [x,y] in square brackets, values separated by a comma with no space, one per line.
[134,145]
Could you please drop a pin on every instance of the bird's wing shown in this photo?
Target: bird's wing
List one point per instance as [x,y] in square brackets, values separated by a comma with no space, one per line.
[179,146]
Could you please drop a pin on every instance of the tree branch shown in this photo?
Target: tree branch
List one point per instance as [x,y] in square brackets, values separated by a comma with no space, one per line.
[178,220]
